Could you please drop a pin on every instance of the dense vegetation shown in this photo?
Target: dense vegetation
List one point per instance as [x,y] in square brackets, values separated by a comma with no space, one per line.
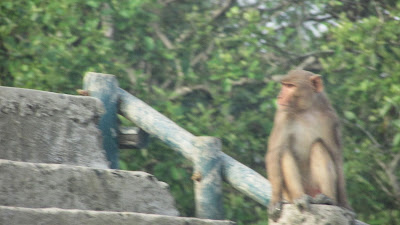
[209,66]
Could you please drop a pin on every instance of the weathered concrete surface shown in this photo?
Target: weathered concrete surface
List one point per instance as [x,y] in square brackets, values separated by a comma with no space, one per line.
[27,216]
[318,214]
[40,185]
[38,126]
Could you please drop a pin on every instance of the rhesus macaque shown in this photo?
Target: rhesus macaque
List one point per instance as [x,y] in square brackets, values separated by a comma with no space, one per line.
[304,159]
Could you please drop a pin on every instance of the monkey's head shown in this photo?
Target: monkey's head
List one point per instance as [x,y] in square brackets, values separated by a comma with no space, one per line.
[299,90]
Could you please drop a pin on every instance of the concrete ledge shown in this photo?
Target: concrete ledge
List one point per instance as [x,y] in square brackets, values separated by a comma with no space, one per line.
[318,214]
[46,127]
[39,185]
[29,216]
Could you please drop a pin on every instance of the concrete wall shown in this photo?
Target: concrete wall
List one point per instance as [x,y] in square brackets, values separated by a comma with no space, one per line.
[37,126]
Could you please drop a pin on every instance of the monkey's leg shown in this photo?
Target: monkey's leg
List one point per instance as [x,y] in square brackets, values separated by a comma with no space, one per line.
[323,173]
[293,181]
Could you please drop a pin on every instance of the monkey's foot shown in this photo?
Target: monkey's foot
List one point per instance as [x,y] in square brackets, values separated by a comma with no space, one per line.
[303,203]
[274,211]
[322,199]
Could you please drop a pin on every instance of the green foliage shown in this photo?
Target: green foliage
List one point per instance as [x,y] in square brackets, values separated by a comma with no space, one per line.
[210,66]
[49,45]
[365,67]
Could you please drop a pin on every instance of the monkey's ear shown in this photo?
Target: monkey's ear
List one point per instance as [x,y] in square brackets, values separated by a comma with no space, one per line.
[317,83]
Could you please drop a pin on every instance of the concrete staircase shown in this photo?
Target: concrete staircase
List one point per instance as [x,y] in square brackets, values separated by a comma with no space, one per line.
[53,168]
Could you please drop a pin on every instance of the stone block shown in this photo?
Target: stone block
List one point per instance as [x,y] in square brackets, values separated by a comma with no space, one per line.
[46,127]
[40,185]
[317,214]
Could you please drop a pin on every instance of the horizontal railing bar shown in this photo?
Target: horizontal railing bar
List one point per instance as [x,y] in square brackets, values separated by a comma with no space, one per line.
[156,124]
[235,173]
[246,180]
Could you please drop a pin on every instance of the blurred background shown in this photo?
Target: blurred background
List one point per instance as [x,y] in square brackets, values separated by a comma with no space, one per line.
[209,66]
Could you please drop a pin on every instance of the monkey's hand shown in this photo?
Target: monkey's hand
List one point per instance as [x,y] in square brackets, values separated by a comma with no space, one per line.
[275,210]
[303,203]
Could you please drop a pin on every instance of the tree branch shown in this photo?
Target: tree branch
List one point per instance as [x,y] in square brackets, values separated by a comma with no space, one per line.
[390,171]
[393,178]
[202,56]
[164,39]
[217,13]
[315,18]
[106,23]
[182,91]
[374,141]
[316,53]
[382,186]
[168,44]
[308,61]
[165,2]
[245,81]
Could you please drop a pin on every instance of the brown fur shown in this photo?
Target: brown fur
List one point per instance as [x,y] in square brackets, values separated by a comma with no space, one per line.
[304,155]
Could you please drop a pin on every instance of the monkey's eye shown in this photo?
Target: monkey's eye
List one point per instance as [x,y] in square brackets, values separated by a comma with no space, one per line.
[288,85]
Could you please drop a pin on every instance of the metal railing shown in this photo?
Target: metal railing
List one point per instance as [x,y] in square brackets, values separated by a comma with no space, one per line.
[211,165]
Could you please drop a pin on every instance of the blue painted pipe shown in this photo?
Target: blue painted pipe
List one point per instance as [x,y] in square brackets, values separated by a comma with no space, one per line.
[104,87]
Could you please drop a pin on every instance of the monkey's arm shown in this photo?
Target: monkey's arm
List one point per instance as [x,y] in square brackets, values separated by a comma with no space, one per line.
[272,161]
[274,173]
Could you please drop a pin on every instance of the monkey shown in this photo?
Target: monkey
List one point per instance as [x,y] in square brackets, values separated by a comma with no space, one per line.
[304,158]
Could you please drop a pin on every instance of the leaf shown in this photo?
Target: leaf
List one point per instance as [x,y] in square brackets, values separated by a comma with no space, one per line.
[149,42]
[130,46]
[123,165]
[350,115]
[396,123]
[396,140]
[93,4]
[176,173]
[227,85]
[385,109]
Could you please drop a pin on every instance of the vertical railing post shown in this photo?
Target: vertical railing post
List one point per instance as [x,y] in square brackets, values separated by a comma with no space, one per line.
[105,88]
[207,177]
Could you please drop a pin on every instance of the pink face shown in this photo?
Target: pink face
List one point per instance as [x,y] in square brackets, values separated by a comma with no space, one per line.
[286,94]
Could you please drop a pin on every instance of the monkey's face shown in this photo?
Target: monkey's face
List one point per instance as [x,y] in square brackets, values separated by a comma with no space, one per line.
[298,91]
[294,97]
[285,97]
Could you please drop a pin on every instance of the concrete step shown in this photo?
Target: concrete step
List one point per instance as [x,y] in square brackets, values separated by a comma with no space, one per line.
[40,185]
[29,216]
[46,127]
